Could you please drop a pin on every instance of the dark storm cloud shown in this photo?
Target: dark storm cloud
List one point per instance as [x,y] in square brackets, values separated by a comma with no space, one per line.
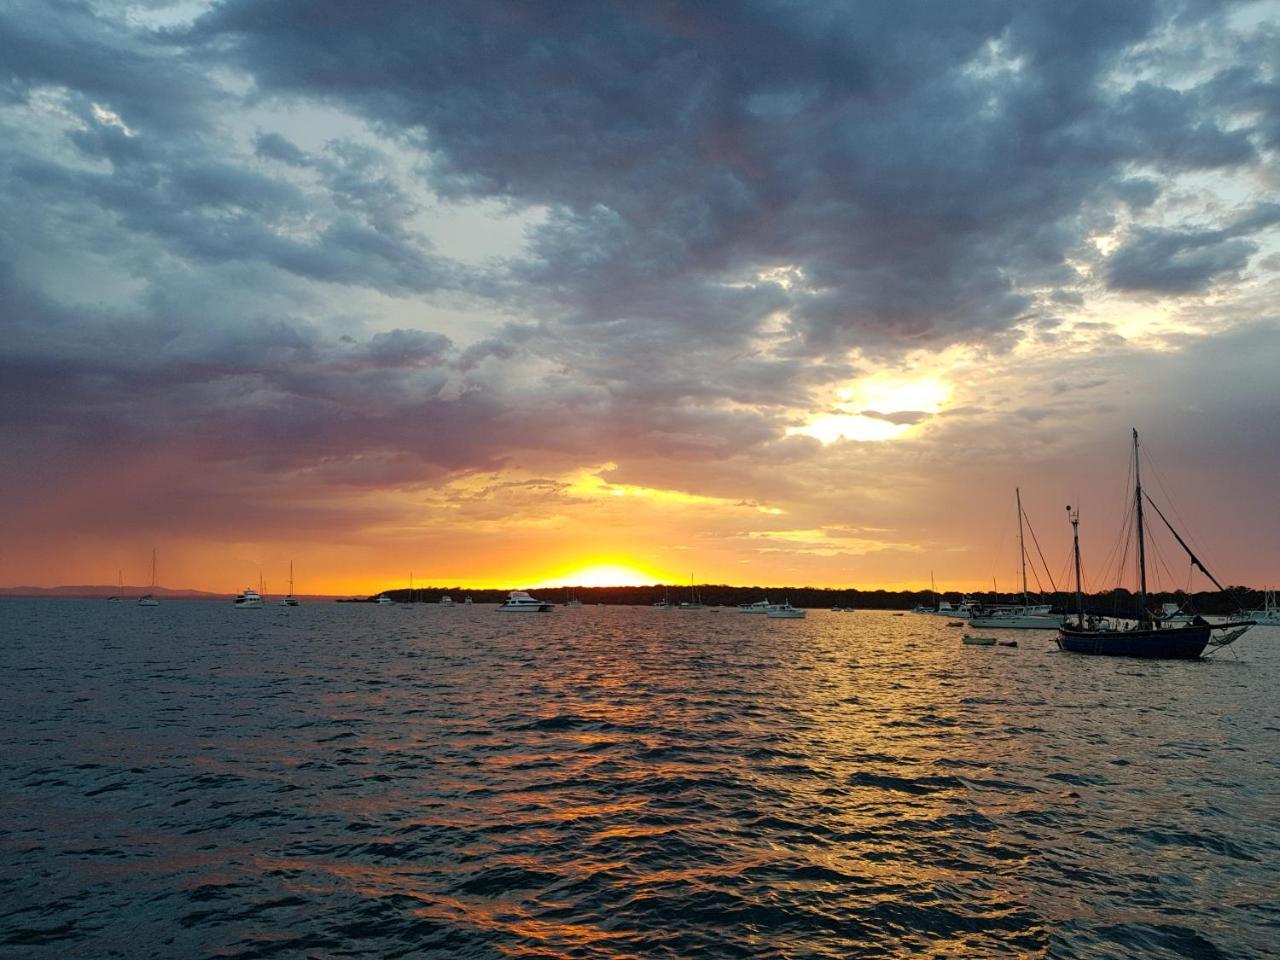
[1187,261]
[729,197]
[917,163]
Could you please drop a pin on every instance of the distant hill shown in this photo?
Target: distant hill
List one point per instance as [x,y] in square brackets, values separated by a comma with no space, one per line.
[94,591]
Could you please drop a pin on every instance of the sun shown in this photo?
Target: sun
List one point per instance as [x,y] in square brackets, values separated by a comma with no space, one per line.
[602,575]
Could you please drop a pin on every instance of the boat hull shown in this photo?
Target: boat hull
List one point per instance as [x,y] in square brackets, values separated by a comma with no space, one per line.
[1173,643]
[526,608]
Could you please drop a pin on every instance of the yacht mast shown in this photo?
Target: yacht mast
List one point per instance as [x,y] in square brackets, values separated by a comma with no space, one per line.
[1074,517]
[1022,547]
[1142,544]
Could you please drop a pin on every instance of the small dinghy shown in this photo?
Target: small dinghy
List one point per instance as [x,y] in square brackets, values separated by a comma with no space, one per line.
[976,641]
[955,623]
[1008,643]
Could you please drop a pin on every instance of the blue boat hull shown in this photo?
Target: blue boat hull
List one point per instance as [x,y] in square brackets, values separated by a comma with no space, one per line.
[1171,643]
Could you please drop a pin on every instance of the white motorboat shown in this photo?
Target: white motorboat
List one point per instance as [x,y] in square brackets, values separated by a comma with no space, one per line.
[784,611]
[447,601]
[383,599]
[518,601]
[150,599]
[760,606]
[467,601]
[251,599]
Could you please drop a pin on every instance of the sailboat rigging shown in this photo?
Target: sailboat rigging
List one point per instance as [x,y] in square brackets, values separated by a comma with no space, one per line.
[1027,616]
[150,599]
[1148,635]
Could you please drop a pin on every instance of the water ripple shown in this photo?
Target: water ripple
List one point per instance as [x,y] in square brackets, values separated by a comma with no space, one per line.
[616,783]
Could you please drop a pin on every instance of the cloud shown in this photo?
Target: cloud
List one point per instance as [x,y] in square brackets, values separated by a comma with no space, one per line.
[1187,261]
[233,262]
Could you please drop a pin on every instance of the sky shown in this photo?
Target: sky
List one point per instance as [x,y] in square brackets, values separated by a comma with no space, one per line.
[509,294]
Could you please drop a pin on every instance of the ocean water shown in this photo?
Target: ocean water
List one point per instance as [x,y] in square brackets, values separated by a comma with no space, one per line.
[361,781]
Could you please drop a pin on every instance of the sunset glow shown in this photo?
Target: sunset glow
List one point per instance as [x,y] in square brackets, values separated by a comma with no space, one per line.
[508,322]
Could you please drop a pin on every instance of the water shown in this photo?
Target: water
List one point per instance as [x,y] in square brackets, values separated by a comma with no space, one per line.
[360,781]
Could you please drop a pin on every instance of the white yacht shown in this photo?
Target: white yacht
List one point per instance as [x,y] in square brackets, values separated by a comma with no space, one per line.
[251,599]
[383,599]
[573,602]
[520,602]
[784,611]
[447,601]
[760,606]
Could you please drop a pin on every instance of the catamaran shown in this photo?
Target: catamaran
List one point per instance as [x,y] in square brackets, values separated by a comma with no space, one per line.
[1146,635]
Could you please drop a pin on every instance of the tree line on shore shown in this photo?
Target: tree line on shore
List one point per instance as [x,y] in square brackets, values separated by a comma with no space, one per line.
[1118,602]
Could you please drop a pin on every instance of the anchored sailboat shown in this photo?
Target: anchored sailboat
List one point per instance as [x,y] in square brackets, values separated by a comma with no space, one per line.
[150,599]
[1148,636]
[289,600]
[1027,616]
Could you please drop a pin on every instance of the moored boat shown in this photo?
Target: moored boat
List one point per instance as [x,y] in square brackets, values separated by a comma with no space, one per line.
[784,611]
[250,599]
[1268,614]
[1145,636]
[518,601]
[150,599]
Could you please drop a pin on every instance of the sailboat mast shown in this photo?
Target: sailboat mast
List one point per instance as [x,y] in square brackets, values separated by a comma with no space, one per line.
[1142,541]
[1022,547]
[1074,517]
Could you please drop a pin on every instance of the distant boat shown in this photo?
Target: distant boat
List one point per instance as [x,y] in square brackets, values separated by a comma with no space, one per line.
[1146,635]
[150,599]
[1023,616]
[573,601]
[976,641]
[120,578]
[383,599]
[289,600]
[760,606]
[665,602]
[784,611]
[695,601]
[1269,613]
[250,599]
[518,601]
[447,601]
[467,601]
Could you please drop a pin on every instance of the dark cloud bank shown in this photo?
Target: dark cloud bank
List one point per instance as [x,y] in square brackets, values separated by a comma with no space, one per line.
[736,195]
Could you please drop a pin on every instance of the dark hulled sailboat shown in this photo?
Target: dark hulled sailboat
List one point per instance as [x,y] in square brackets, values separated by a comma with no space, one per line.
[1149,637]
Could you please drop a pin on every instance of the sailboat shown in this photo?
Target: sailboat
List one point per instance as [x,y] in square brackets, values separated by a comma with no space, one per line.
[1026,616]
[289,600]
[1147,636]
[120,579]
[694,602]
[1269,613]
[149,599]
